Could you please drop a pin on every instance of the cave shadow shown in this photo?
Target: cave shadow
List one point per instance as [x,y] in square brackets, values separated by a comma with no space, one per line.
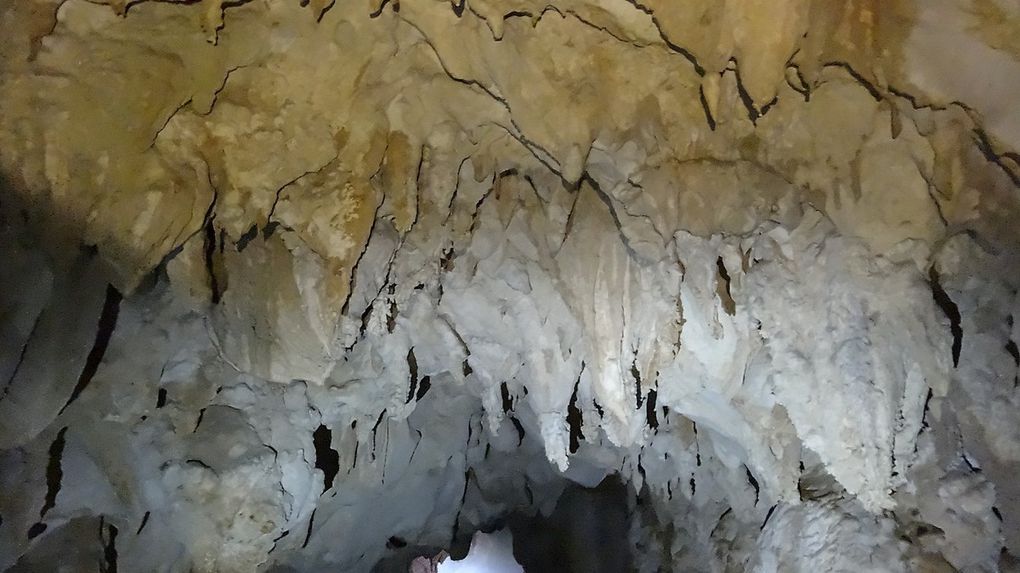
[588,531]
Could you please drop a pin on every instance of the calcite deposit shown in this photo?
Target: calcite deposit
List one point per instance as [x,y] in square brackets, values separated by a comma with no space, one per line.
[332,286]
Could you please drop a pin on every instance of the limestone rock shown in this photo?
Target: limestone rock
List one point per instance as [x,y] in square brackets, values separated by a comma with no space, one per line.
[330,287]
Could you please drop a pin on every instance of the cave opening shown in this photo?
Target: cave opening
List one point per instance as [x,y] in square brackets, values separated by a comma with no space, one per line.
[586,531]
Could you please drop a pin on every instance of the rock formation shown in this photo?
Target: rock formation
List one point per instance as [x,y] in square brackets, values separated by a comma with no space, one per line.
[329,286]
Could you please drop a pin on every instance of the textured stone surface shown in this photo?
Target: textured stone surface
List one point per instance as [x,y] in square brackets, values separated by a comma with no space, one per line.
[314,288]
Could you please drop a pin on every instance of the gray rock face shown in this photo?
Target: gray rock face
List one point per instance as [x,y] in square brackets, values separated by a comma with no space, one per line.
[331,288]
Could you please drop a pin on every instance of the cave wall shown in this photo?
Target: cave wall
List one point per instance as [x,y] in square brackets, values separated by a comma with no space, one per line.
[301,288]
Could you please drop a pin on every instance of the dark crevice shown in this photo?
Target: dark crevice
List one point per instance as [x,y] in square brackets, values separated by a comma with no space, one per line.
[693,485]
[161,398]
[391,315]
[375,431]
[324,10]
[892,450]
[685,53]
[917,104]
[636,375]
[416,444]
[682,51]
[706,109]
[767,517]
[924,412]
[200,463]
[569,226]
[803,89]
[1014,352]
[357,443]
[54,472]
[575,420]
[269,229]
[951,311]
[423,387]
[285,533]
[508,401]
[326,458]
[454,196]
[308,534]
[198,423]
[36,530]
[365,315]
[209,252]
[723,288]
[745,98]
[519,428]
[527,14]
[463,496]
[872,89]
[972,466]
[466,368]
[650,411]
[107,323]
[753,482]
[803,489]
[247,237]
[363,326]
[895,128]
[488,192]
[412,368]
[986,149]
[446,263]
[395,542]
[145,521]
[378,12]
[697,446]
[353,281]
[423,153]
[611,207]
[21,359]
[109,549]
